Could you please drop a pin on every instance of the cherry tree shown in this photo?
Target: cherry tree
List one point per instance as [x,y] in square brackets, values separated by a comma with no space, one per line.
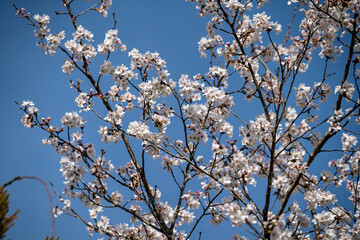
[255,173]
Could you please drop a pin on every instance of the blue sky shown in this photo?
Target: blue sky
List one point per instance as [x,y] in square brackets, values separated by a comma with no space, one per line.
[170,27]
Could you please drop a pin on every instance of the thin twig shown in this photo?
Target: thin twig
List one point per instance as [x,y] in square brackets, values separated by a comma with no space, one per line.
[47,192]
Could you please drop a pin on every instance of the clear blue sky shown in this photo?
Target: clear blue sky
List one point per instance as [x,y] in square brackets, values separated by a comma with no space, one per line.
[171,27]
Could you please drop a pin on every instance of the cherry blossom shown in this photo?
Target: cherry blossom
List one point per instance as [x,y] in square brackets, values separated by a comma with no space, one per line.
[242,143]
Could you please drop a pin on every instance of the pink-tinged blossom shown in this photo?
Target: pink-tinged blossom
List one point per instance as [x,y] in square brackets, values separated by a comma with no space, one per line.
[168,162]
[72,119]
[80,50]
[298,217]
[192,199]
[282,183]
[185,217]
[48,41]
[83,102]
[205,44]
[214,95]
[354,162]
[74,157]
[189,89]
[109,134]
[27,120]
[302,95]
[52,43]
[73,46]
[41,32]
[219,149]
[334,120]
[113,93]
[57,212]
[356,227]
[257,131]
[326,218]
[82,33]
[117,198]
[318,197]
[105,5]
[111,43]
[150,60]
[93,212]
[238,215]
[42,20]
[115,116]
[348,141]
[71,171]
[67,204]
[88,51]
[195,112]
[90,151]
[103,225]
[291,114]
[153,89]
[166,211]
[226,128]
[326,176]
[127,97]
[163,74]
[122,75]
[234,5]
[238,237]
[68,67]
[139,130]
[27,103]
[106,68]
[219,73]
[323,90]
[197,135]
[261,20]
[280,231]
[101,168]
[347,90]
[161,121]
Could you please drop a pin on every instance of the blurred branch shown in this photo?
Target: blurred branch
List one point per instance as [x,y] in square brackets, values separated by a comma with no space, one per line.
[47,192]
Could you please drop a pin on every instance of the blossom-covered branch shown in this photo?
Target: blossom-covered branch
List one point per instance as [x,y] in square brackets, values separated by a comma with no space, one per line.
[215,154]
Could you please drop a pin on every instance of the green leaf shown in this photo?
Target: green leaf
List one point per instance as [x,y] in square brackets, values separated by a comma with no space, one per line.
[6,222]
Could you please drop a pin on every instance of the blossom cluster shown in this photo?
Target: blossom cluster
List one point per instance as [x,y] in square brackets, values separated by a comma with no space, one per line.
[48,41]
[198,129]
